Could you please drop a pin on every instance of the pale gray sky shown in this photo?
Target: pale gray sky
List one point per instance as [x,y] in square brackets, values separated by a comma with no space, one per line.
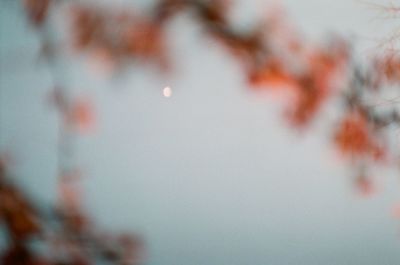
[212,175]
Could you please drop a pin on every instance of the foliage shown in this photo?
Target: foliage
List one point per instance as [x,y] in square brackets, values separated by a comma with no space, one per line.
[272,56]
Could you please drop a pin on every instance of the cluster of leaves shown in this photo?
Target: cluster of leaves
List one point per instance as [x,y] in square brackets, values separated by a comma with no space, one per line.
[65,234]
[78,115]
[363,134]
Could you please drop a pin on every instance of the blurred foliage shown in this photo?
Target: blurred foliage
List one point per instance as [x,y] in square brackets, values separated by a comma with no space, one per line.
[272,54]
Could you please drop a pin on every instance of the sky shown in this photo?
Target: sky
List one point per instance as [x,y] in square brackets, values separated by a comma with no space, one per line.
[211,175]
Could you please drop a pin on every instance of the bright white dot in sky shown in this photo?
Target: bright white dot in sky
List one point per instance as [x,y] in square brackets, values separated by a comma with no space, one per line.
[167,92]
